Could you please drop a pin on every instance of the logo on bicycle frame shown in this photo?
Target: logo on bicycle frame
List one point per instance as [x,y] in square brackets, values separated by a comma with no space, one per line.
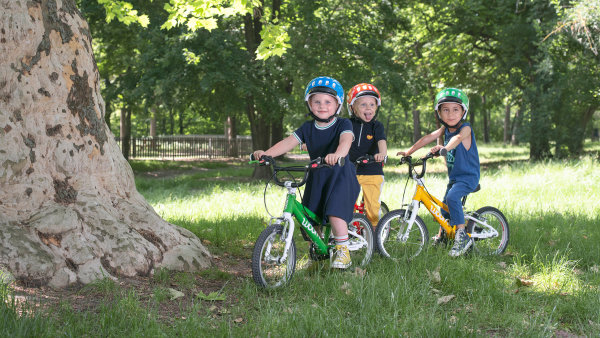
[309,226]
[436,212]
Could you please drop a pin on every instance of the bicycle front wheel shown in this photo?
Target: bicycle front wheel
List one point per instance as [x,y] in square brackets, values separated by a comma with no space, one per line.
[268,268]
[395,240]
[361,240]
[492,227]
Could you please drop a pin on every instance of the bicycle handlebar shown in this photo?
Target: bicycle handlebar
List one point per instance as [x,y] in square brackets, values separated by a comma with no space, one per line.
[317,163]
[420,162]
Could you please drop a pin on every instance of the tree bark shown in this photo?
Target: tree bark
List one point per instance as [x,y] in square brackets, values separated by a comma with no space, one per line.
[69,209]
[486,120]
[506,136]
[416,123]
[231,136]
[125,132]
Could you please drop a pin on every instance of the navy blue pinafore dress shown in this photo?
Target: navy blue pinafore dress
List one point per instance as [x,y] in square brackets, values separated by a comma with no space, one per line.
[328,191]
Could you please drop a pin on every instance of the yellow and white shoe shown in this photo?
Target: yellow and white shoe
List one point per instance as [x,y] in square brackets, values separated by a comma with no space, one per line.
[341,257]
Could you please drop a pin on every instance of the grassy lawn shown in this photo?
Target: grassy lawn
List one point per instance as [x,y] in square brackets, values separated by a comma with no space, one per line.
[545,284]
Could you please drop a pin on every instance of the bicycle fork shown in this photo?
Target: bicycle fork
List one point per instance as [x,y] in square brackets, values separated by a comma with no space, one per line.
[412,210]
[287,233]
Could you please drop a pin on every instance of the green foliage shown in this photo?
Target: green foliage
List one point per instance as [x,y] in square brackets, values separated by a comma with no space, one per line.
[124,12]
[250,61]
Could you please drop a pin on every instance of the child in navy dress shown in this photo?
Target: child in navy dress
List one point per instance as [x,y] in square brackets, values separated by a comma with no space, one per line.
[462,160]
[329,192]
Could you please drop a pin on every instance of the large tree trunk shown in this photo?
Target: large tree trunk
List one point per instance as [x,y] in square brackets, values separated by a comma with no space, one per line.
[69,209]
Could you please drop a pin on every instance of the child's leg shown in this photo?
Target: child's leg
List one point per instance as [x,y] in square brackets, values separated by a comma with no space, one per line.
[462,241]
[371,186]
[339,227]
[454,201]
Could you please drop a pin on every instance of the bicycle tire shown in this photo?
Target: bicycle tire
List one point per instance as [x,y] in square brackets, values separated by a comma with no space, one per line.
[496,219]
[389,230]
[267,272]
[361,249]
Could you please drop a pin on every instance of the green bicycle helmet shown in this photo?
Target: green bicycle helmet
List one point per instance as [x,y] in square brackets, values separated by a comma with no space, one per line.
[453,95]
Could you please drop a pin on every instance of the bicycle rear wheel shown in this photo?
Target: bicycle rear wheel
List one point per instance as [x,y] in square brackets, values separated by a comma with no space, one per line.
[395,241]
[493,245]
[361,240]
[267,269]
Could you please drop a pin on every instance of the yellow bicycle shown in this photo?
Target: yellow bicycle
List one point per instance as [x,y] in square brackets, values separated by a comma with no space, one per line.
[402,234]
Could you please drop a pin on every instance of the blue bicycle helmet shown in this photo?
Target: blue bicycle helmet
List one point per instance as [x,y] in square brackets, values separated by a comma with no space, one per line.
[326,85]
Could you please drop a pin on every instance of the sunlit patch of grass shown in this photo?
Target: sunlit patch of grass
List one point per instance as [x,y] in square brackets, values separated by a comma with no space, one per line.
[557,276]
[550,276]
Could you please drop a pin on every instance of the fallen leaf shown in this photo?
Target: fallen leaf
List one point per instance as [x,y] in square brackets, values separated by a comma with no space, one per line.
[174,294]
[238,320]
[360,272]
[347,288]
[445,299]
[594,269]
[434,275]
[213,296]
[502,265]
[436,291]
[524,282]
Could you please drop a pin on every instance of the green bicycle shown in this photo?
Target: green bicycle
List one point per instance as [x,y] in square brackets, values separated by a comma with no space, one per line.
[274,254]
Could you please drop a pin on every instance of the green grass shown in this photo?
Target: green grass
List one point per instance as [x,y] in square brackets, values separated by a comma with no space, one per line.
[546,284]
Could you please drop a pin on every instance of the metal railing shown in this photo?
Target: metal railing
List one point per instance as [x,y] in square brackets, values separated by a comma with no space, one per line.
[188,147]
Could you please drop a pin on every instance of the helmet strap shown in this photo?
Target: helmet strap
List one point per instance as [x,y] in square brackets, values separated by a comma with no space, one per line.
[327,120]
[446,124]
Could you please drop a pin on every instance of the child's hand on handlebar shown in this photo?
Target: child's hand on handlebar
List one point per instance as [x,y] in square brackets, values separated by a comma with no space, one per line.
[257,154]
[402,153]
[379,157]
[435,149]
[332,159]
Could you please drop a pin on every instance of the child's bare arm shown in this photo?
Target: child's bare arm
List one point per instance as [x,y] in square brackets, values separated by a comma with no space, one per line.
[423,141]
[382,146]
[279,148]
[342,149]
[463,136]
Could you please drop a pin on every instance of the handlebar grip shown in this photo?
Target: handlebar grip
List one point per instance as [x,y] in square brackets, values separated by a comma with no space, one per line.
[341,161]
[252,158]
[443,152]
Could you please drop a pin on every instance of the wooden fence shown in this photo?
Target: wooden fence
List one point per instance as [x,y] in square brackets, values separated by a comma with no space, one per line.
[188,147]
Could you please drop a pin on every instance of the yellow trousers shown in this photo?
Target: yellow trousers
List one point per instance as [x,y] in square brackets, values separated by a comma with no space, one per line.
[371,186]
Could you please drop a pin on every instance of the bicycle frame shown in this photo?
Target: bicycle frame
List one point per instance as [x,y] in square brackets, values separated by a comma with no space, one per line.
[432,204]
[294,208]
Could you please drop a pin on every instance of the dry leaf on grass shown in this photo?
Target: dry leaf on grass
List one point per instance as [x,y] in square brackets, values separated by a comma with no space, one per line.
[524,282]
[434,275]
[360,272]
[174,294]
[445,299]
